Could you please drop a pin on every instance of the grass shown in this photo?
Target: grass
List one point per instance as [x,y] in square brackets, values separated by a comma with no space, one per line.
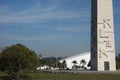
[2,74]
[68,76]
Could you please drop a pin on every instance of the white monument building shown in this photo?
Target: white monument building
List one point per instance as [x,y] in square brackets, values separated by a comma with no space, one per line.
[102,36]
[82,56]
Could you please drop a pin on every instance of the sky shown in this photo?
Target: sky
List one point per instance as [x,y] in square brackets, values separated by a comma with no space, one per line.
[50,27]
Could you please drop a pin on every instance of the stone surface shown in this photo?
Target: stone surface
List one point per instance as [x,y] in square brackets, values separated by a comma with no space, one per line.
[102,36]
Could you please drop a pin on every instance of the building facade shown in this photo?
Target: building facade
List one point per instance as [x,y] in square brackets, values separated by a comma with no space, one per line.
[82,56]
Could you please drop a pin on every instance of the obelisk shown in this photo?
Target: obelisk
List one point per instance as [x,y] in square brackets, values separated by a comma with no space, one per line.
[102,36]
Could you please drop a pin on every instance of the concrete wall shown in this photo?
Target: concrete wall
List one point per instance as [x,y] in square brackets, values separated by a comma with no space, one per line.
[105,51]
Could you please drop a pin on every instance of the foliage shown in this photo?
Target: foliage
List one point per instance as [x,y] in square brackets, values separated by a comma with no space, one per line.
[74,62]
[118,62]
[64,64]
[118,65]
[50,61]
[16,59]
[83,62]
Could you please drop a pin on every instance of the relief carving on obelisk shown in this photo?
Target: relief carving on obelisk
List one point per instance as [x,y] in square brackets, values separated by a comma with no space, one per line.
[105,32]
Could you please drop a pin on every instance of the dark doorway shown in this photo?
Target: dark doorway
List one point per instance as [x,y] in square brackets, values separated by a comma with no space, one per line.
[106,65]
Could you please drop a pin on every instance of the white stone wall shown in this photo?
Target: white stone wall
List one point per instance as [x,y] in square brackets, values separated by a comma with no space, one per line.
[105,35]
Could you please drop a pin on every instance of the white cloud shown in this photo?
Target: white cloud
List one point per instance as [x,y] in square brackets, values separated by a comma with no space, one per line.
[73,29]
[38,13]
[46,37]
[41,17]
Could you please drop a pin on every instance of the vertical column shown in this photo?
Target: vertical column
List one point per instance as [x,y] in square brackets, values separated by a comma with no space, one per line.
[102,36]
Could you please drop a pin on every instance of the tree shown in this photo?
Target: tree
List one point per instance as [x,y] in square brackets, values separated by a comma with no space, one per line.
[64,64]
[117,65]
[17,58]
[83,62]
[74,64]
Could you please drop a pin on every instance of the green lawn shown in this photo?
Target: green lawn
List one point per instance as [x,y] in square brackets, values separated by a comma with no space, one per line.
[70,76]
[67,76]
[2,74]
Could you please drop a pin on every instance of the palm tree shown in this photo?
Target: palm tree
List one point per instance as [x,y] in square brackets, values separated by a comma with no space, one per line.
[74,62]
[64,64]
[83,62]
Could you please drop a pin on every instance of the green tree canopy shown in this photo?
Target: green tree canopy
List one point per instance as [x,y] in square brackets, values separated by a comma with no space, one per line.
[17,58]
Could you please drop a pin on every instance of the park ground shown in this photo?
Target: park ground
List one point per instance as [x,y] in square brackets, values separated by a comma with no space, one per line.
[70,76]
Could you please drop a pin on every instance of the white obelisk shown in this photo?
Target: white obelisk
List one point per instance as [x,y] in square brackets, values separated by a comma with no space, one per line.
[102,36]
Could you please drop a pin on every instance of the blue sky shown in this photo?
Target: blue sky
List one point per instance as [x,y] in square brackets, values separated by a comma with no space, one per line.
[50,27]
